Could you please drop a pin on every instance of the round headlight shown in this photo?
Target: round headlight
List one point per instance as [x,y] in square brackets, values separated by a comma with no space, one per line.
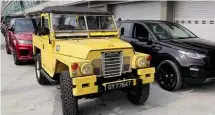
[141,62]
[86,69]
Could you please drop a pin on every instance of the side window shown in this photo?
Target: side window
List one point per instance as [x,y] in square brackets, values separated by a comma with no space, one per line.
[45,21]
[140,31]
[40,22]
[127,29]
[38,26]
[118,24]
[12,23]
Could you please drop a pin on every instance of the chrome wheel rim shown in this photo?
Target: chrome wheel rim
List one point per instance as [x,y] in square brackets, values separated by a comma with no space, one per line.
[38,69]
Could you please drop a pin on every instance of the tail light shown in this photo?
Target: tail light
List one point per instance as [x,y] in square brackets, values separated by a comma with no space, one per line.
[149,58]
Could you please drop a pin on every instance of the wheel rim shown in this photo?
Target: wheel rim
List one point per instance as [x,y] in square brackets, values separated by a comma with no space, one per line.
[37,69]
[167,77]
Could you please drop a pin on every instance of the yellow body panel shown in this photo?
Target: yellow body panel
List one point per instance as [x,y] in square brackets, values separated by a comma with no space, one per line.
[80,48]
[147,75]
[90,87]
[103,33]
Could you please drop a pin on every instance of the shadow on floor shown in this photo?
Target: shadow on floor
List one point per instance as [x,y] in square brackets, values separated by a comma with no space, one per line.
[199,88]
[116,103]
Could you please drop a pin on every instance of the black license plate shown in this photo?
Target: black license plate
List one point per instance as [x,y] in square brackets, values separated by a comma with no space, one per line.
[119,85]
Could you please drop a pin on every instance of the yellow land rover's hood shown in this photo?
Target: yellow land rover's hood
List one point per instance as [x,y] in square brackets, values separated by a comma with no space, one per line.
[81,48]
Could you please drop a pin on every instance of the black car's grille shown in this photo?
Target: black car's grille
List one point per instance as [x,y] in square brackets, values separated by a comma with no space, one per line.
[211,60]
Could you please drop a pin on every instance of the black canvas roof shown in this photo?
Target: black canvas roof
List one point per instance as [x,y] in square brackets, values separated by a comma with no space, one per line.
[72,9]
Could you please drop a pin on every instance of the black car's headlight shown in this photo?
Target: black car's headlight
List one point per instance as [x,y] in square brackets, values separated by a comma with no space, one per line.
[192,55]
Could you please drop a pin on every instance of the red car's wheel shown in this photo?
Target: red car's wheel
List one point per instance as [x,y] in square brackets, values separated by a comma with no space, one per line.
[15,59]
[7,49]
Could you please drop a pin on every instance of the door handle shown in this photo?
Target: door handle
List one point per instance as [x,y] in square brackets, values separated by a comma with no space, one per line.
[43,46]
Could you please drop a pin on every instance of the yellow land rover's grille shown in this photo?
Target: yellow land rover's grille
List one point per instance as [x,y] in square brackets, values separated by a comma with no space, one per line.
[112,63]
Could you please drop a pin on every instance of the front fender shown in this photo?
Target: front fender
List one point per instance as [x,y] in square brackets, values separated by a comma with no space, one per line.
[67,61]
[180,59]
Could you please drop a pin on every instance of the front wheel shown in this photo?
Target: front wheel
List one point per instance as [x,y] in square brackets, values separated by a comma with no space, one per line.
[69,102]
[15,59]
[7,49]
[42,80]
[140,95]
[169,75]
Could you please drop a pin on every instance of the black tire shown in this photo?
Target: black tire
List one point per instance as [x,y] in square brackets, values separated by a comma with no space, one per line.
[42,80]
[15,59]
[140,95]
[175,77]
[69,102]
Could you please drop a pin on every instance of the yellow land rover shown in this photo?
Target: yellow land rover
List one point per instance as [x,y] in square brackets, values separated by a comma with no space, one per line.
[80,48]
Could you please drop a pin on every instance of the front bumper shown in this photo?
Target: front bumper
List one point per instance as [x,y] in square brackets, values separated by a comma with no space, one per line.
[198,75]
[91,85]
[24,52]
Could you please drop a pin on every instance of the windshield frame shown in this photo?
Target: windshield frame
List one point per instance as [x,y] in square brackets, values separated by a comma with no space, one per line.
[179,26]
[86,24]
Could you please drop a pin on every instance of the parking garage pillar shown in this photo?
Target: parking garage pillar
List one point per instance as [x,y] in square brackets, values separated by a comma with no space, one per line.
[167,10]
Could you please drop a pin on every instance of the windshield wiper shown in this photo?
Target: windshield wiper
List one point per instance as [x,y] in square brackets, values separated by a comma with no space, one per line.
[185,37]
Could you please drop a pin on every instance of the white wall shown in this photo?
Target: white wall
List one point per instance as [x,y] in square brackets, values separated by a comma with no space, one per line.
[138,10]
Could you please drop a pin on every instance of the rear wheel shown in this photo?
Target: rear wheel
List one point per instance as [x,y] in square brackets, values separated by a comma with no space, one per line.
[15,59]
[140,95]
[42,80]
[69,102]
[169,76]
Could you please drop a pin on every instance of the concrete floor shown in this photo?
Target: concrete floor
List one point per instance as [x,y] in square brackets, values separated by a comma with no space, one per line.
[22,95]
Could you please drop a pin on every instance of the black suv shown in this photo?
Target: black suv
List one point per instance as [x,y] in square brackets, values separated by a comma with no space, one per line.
[178,54]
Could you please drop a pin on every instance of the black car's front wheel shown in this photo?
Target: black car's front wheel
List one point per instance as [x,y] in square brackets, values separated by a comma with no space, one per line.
[169,76]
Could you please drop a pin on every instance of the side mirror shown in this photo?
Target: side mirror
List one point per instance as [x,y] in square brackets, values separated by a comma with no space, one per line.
[43,31]
[143,39]
[10,28]
[122,31]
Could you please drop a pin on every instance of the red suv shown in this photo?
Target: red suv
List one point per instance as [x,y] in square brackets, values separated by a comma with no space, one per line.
[19,39]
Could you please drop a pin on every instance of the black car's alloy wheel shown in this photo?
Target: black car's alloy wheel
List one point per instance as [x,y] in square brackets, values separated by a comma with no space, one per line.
[168,75]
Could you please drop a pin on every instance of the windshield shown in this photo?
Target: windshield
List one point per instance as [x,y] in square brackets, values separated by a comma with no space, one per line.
[167,30]
[65,22]
[100,22]
[69,22]
[24,25]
